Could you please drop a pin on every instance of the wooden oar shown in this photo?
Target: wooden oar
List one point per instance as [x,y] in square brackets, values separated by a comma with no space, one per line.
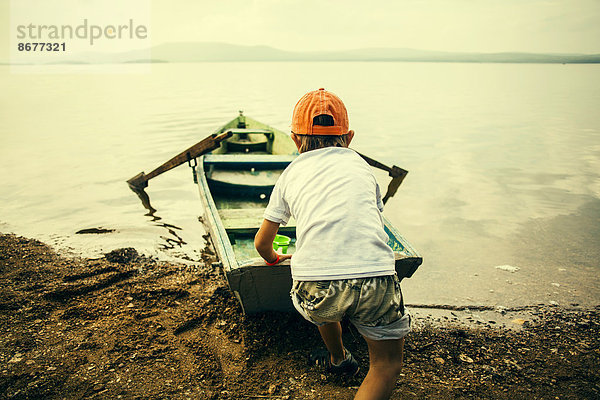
[398,174]
[140,181]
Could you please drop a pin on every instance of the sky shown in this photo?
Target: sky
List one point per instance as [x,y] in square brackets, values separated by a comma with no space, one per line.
[545,26]
[447,25]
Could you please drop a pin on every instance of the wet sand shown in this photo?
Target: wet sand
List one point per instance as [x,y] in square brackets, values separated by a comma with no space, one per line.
[125,326]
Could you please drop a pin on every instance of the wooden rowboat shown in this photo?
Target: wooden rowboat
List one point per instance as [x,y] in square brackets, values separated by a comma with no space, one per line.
[235,183]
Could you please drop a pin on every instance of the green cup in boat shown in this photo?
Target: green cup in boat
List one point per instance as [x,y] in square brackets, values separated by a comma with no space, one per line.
[281,242]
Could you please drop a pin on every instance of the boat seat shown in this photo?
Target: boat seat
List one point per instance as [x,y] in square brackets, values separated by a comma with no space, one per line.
[242,132]
[247,220]
[257,161]
[242,144]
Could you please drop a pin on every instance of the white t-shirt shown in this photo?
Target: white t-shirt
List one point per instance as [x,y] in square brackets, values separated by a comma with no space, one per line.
[334,198]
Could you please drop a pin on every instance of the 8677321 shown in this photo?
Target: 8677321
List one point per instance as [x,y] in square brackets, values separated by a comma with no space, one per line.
[41,46]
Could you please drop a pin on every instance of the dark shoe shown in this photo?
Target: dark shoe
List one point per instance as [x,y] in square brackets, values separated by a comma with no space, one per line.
[322,358]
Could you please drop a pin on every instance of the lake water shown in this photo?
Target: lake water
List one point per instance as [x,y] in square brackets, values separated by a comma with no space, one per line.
[504,163]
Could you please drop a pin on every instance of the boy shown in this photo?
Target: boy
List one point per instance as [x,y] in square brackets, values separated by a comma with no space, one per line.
[342,265]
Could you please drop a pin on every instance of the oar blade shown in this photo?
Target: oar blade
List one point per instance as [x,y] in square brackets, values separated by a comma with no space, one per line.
[138,182]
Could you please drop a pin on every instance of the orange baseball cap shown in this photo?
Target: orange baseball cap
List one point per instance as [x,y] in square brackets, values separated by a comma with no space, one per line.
[319,102]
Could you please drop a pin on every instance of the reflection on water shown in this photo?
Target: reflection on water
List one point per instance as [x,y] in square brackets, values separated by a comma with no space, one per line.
[143,196]
[170,242]
[495,153]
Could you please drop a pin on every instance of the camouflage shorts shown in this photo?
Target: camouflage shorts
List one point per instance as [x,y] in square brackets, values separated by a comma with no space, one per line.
[374,305]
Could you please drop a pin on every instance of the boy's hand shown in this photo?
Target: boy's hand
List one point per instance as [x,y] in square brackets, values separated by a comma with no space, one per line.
[284,257]
[263,241]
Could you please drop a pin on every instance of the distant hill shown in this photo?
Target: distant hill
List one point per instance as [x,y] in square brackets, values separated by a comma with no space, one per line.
[200,51]
[188,52]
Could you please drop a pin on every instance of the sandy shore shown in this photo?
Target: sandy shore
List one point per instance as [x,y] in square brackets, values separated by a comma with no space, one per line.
[128,327]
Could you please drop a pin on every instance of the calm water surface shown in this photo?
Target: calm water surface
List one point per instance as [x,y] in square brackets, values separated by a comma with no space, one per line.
[504,163]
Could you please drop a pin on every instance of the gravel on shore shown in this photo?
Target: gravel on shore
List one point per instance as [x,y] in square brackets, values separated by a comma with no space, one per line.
[125,326]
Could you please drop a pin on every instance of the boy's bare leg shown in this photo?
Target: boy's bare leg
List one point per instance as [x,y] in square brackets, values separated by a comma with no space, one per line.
[385,363]
[332,336]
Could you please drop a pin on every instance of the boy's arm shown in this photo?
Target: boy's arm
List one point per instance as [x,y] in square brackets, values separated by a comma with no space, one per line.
[263,241]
